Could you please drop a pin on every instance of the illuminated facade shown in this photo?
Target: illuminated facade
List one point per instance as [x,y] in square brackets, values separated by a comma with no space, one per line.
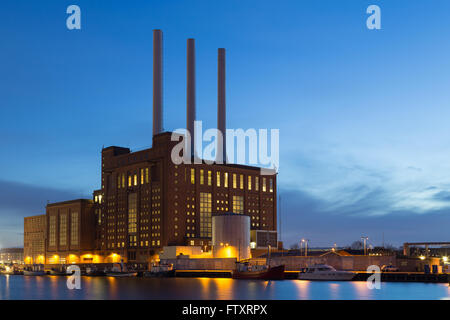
[147,202]
[70,227]
[34,239]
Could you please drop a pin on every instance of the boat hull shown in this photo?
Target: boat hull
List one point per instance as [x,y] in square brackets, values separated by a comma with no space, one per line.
[161,274]
[333,276]
[121,274]
[33,273]
[273,273]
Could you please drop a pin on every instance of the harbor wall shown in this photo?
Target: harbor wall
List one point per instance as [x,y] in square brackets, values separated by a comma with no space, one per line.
[354,263]
[202,263]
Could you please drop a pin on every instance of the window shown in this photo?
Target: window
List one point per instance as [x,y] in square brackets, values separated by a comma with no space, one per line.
[271,185]
[192,176]
[205,214]
[241,181]
[52,231]
[147,180]
[238,204]
[218,178]
[142,176]
[63,229]
[209,178]
[118,181]
[132,213]
[234,181]
[123,180]
[129,180]
[74,228]
[202,177]
[135,180]
[249,182]
[225,179]
[264,184]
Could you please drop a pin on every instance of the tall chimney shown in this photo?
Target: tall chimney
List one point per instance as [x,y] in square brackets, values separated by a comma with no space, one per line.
[190,103]
[221,104]
[157,82]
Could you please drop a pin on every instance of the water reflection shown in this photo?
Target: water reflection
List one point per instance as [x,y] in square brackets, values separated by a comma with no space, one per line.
[54,287]
[302,289]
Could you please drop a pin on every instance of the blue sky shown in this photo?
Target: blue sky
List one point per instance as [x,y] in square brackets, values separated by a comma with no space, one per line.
[363,114]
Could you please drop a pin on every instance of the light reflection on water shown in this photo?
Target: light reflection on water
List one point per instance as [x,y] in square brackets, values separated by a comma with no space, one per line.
[54,287]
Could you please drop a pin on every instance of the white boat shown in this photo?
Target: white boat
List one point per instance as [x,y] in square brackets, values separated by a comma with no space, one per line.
[325,272]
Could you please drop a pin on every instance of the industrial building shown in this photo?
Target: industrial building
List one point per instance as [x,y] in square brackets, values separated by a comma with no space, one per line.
[147,202]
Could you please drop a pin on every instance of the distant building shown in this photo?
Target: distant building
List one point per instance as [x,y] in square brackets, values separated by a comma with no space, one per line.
[34,236]
[70,232]
[11,255]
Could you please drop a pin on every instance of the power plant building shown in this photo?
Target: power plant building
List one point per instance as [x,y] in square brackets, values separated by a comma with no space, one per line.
[146,201]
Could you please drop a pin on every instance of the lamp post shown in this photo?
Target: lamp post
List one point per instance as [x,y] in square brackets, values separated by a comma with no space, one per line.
[365,244]
[305,241]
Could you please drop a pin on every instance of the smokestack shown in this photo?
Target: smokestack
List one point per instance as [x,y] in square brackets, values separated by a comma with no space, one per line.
[221,104]
[157,82]
[190,103]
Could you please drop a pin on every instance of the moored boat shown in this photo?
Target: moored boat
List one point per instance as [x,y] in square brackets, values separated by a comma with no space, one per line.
[33,273]
[11,270]
[34,270]
[326,273]
[94,272]
[258,272]
[120,271]
[160,270]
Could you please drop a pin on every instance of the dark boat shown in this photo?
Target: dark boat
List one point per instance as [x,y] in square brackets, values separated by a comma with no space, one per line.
[94,272]
[160,270]
[258,272]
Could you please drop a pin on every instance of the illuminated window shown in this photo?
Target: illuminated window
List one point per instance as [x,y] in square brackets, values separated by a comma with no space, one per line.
[238,204]
[129,180]
[218,178]
[147,180]
[142,176]
[205,214]
[202,178]
[135,180]
[257,183]
[209,178]
[74,228]
[271,185]
[234,181]
[132,213]
[249,183]
[63,229]
[192,176]
[241,181]
[52,231]
[264,184]
[123,180]
[225,179]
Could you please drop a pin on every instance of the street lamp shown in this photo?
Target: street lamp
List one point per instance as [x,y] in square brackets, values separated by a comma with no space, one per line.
[365,243]
[305,241]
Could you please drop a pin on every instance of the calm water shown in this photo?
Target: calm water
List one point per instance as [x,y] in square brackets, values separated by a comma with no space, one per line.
[52,287]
